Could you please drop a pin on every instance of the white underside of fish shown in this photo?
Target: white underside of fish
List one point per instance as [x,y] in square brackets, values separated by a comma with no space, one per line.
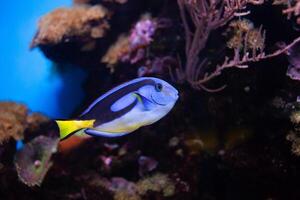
[135,119]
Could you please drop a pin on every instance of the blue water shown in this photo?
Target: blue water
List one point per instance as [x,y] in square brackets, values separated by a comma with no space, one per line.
[27,76]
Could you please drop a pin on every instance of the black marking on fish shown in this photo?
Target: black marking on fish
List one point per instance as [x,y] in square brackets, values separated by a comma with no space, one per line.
[101,111]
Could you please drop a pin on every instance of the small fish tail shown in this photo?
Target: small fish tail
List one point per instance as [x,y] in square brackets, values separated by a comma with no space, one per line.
[68,127]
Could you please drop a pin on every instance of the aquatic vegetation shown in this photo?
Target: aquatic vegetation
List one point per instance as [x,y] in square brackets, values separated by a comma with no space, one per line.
[65,24]
[33,161]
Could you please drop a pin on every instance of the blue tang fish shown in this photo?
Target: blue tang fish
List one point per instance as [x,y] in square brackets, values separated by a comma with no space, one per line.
[124,109]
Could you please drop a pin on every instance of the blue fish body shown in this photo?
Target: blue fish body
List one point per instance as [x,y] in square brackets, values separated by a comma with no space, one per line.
[122,110]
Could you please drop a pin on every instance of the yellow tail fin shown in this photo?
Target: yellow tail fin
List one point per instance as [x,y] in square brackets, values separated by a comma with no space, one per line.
[67,127]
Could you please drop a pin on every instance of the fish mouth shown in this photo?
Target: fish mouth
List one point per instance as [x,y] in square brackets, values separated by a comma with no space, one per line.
[157,102]
[177,96]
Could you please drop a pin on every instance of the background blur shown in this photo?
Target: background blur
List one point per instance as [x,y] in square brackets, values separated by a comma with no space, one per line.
[26,75]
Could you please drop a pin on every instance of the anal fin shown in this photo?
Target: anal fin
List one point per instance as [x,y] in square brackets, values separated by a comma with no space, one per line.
[94,132]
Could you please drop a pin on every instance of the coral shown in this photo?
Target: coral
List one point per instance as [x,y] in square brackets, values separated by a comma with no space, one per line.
[142,32]
[15,119]
[81,1]
[295,117]
[293,56]
[245,36]
[194,145]
[35,120]
[33,161]
[157,65]
[240,28]
[236,138]
[12,120]
[295,140]
[156,183]
[174,141]
[126,190]
[63,24]
[124,195]
[293,72]
[292,8]
[278,102]
[146,164]
[130,47]
[116,51]
[117,1]
[90,1]
[207,16]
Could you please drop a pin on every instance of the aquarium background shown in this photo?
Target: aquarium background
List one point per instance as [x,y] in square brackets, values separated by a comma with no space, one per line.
[233,133]
[28,76]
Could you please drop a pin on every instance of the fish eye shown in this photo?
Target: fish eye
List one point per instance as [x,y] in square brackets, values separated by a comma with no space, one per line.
[158,87]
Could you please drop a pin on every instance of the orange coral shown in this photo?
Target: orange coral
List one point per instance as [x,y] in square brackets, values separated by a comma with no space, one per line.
[66,146]
[63,23]
[117,50]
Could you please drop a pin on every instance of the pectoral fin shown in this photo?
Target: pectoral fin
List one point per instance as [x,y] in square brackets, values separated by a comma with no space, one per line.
[94,132]
[148,104]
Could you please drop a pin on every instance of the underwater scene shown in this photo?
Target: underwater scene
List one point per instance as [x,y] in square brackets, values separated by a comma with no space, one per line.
[150,100]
